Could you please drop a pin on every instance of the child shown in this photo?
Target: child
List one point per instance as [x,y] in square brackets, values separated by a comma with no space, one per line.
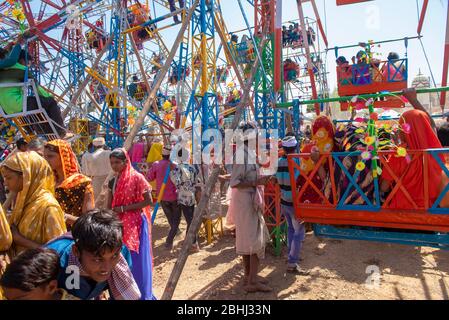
[33,275]
[296,231]
[93,258]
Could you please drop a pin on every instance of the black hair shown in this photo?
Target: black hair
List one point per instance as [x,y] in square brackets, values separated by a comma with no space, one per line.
[97,231]
[36,143]
[165,157]
[118,154]
[21,143]
[443,134]
[31,269]
[393,56]
[341,59]
[289,150]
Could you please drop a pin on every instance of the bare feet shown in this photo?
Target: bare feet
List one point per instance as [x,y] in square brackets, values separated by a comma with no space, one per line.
[259,279]
[257,287]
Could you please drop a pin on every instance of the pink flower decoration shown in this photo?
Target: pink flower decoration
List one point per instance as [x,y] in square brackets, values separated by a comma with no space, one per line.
[406,127]
[408,159]
[374,116]
[359,119]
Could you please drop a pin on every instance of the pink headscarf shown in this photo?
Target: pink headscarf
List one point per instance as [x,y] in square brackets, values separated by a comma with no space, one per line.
[131,186]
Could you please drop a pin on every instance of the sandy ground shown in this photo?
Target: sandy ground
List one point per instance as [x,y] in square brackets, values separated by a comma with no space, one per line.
[338,270]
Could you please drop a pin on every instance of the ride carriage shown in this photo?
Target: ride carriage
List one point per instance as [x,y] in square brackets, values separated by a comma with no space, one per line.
[137,15]
[138,90]
[95,37]
[373,217]
[373,77]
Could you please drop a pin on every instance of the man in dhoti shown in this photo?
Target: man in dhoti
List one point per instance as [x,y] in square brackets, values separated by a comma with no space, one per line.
[97,166]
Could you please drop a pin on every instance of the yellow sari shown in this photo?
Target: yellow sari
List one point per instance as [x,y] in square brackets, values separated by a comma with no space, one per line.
[36,214]
[5,243]
[5,232]
[155,153]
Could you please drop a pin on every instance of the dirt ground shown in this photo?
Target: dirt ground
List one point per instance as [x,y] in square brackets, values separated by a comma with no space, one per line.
[338,270]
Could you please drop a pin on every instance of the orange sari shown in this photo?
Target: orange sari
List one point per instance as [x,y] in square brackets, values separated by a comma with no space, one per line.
[71,192]
[421,137]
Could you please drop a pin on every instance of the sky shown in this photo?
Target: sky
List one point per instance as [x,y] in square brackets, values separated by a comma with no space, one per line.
[377,20]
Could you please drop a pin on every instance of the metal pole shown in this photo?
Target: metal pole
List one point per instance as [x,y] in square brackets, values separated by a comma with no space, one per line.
[364,96]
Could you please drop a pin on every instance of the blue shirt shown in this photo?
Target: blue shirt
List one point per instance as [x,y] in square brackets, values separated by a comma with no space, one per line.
[12,57]
[88,288]
[283,177]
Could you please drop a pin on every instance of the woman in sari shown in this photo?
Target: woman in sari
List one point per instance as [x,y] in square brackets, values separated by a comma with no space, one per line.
[421,136]
[348,140]
[323,132]
[129,196]
[5,243]
[37,217]
[74,191]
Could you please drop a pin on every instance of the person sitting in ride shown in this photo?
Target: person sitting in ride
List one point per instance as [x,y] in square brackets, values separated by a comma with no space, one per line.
[234,38]
[349,139]
[233,97]
[311,36]
[291,70]
[132,88]
[394,70]
[344,71]
[291,35]
[361,69]
[284,36]
[418,134]
[323,132]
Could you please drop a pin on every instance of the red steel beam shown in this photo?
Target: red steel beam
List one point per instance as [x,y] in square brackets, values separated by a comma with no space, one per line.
[422,16]
[445,64]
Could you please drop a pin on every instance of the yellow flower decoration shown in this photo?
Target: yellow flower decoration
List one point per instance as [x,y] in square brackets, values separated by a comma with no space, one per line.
[18,14]
[369,140]
[360,166]
[359,130]
[401,152]
[167,105]
[387,128]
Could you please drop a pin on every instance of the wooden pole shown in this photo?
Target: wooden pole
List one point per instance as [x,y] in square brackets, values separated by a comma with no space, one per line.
[152,96]
[145,79]
[206,193]
[86,80]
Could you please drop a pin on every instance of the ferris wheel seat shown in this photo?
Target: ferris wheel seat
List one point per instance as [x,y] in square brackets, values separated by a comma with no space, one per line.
[31,122]
[358,79]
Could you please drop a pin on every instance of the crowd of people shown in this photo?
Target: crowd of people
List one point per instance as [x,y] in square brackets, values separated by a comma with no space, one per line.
[53,224]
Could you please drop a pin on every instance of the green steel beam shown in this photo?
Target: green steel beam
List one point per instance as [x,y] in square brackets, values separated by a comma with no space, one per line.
[362,96]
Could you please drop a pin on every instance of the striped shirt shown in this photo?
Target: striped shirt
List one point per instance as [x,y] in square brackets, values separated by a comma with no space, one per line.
[283,177]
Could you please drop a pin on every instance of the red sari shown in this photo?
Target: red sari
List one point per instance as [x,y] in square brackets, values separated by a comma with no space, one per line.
[130,187]
[421,137]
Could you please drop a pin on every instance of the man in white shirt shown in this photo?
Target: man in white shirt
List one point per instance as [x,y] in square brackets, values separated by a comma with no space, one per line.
[96,165]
